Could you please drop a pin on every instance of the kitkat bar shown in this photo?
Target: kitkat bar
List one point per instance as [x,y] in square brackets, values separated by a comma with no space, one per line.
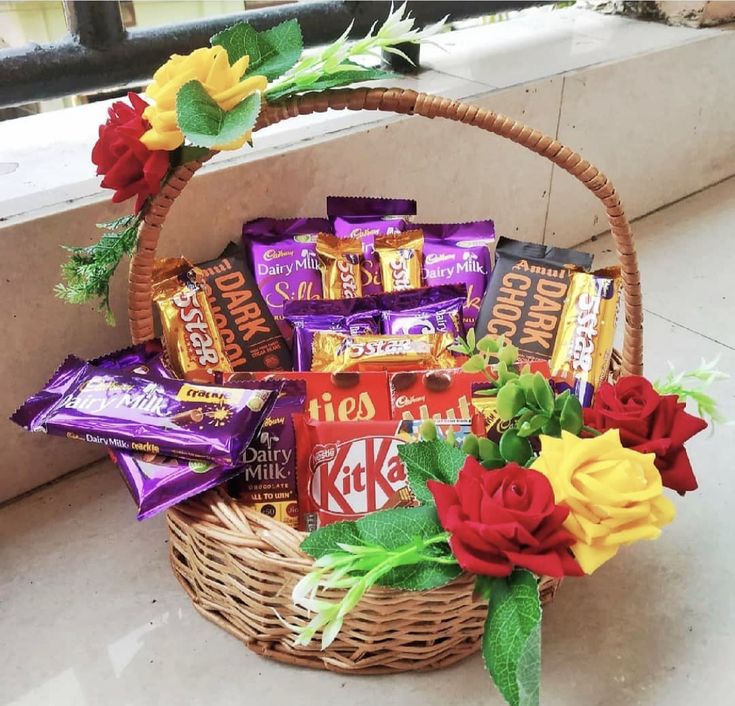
[348,469]
[251,336]
[343,397]
[433,394]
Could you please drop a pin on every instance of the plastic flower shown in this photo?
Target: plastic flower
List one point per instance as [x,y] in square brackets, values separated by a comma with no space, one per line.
[211,67]
[503,519]
[649,423]
[614,494]
[128,166]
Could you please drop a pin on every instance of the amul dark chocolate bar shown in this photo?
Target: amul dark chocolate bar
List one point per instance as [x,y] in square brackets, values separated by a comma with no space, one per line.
[526,294]
[251,336]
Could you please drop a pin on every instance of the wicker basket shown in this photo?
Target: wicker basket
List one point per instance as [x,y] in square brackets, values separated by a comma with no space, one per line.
[239,566]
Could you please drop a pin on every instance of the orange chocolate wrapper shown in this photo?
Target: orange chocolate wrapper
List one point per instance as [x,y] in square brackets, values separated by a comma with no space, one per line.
[401,259]
[193,345]
[340,264]
[338,352]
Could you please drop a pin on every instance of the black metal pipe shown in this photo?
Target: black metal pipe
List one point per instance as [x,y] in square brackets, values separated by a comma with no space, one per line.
[94,24]
[36,72]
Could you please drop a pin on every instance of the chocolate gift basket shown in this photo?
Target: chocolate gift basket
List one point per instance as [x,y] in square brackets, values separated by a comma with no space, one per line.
[239,566]
[450,444]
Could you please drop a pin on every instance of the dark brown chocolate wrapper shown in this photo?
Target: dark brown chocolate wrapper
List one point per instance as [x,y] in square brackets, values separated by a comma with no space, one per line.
[251,336]
[526,294]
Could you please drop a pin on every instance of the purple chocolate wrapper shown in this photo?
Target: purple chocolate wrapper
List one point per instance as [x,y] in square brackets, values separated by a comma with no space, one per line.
[283,259]
[306,323]
[146,359]
[460,252]
[369,206]
[158,482]
[150,415]
[441,317]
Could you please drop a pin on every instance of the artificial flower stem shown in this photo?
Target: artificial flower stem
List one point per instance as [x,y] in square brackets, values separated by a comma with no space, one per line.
[591,431]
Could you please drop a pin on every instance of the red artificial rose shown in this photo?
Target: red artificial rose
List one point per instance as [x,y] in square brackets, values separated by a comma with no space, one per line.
[503,519]
[128,166]
[649,423]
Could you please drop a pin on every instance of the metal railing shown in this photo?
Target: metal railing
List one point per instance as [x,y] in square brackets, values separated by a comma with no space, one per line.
[98,53]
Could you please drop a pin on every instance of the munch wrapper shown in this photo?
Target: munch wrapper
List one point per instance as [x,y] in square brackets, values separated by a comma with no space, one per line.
[193,343]
[337,352]
[400,256]
[367,218]
[526,293]
[340,262]
[459,253]
[251,336]
[148,415]
[584,341]
[282,256]
[158,482]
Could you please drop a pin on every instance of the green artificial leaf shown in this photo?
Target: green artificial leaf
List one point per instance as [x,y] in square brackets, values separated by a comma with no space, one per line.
[514,448]
[430,460]
[239,40]
[488,344]
[327,540]
[475,364]
[471,340]
[511,400]
[272,52]
[399,529]
[205,124]
[571,418]
[471,446]
[322,83]
[560,400]
[511,643]
[552,427]
[542,392]
[186,154]
[427,430]
[489,453]
[508,354]
[483,587]
[533,425]
[505,375]
[280,48]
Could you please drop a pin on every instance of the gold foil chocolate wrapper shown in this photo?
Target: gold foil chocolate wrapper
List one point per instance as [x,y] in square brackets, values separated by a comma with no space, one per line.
[193,344]
[584,342]
[487,407]
[340,264]
[401,259]
[337,352]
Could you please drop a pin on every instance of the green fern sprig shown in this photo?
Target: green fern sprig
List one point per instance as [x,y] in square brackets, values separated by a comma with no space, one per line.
[87,273]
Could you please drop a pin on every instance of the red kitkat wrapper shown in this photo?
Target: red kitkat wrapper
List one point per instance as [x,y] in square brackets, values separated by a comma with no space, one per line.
[348,469]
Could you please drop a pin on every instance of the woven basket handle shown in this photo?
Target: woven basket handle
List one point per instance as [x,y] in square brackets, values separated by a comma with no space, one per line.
[408,102]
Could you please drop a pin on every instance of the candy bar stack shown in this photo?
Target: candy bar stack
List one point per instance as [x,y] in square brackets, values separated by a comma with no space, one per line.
[292,366]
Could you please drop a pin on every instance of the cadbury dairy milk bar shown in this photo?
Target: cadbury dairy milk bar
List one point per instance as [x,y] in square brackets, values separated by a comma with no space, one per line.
[284,261]
[526,294]
[148,415]
[252,339]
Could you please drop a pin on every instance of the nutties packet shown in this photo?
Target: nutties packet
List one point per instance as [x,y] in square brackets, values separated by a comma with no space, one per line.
[144,414]
[251,336]
[282,256]
[526,294]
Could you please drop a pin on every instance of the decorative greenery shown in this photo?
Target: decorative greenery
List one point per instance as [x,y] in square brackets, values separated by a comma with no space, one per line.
[88,271]
[511,643]
[404,548]
[691,385]
[205,124]
[431,460]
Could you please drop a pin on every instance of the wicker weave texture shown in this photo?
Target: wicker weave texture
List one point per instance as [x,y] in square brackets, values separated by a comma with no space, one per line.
[239,568]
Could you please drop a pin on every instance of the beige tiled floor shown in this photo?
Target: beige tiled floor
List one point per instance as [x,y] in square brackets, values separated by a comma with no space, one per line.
[90,613]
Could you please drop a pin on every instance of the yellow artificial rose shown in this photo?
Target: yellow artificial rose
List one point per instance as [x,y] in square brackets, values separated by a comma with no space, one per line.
[211,67]
[614,494]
